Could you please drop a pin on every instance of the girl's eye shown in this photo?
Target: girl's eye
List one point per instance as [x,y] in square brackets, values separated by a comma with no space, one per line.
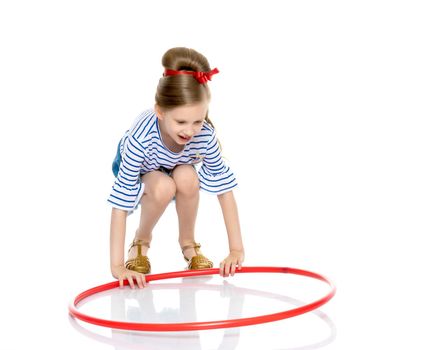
[180,122]
[198,122]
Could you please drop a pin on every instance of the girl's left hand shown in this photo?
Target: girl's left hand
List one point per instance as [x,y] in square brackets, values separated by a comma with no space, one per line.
[229,264]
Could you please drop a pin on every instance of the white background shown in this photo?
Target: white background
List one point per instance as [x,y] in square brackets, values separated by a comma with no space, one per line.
[326,111]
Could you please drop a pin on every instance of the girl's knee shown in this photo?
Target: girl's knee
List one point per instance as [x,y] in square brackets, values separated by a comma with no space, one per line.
[163,189]
[186,179]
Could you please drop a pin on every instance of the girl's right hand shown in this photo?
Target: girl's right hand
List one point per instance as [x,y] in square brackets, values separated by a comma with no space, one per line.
[122,273]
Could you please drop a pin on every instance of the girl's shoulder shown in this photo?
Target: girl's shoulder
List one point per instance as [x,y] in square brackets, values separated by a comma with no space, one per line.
[143,125]
[207,130]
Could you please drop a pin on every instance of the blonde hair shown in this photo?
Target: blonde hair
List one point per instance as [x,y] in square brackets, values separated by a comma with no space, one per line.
[179,90]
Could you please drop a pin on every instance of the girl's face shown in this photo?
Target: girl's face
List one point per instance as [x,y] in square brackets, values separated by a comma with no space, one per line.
[182,123]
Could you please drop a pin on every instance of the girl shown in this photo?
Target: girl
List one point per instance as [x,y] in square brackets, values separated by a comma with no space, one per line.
[155,164]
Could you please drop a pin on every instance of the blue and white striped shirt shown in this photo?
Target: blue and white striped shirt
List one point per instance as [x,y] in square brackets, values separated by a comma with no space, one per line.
[142,150]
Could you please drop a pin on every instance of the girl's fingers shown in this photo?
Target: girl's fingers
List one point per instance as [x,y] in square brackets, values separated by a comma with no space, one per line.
[224,269]
[131,282]
[227,269]
[240,264]
[131,276]
[233,268]
[139,281]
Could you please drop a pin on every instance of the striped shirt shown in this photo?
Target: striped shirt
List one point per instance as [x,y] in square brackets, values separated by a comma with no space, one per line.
[142,150]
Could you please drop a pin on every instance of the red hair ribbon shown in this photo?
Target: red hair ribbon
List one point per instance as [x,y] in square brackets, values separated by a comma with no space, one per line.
[201,77]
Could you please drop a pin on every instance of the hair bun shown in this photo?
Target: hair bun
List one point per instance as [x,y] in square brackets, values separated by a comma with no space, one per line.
[183,58]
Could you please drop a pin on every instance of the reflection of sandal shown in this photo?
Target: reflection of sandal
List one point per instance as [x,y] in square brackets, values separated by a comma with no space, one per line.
[140,263]
[198,261]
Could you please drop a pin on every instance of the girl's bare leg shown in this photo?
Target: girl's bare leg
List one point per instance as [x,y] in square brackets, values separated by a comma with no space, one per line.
[159,191]
[187,201]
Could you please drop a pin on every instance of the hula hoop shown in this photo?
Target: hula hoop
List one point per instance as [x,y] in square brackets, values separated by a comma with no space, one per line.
[194,326]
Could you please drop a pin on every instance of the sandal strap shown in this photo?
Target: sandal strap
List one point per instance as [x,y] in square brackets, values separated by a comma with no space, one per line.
[193,245]
[140,242]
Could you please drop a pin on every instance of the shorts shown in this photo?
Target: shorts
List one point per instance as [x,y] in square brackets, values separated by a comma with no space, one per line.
[117,160]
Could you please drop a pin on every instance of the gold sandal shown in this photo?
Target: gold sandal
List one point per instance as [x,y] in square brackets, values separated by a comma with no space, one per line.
[140,263]
[198,261]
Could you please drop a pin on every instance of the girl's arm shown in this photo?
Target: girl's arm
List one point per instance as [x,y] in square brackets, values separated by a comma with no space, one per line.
[117,238]
[117,247]
[231,218]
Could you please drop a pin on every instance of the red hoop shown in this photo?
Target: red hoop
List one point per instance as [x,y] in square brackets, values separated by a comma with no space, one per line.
[172,327]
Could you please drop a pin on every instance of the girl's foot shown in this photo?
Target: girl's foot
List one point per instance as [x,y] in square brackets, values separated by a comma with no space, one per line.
[194,257]
[139,262]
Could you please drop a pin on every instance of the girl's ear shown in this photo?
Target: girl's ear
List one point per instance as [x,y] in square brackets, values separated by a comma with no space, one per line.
[158,112]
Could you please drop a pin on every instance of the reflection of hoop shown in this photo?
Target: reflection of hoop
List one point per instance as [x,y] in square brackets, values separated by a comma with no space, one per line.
[163,327]
[161,340]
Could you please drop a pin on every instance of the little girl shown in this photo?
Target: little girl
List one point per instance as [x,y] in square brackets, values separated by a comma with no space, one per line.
[155,164]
